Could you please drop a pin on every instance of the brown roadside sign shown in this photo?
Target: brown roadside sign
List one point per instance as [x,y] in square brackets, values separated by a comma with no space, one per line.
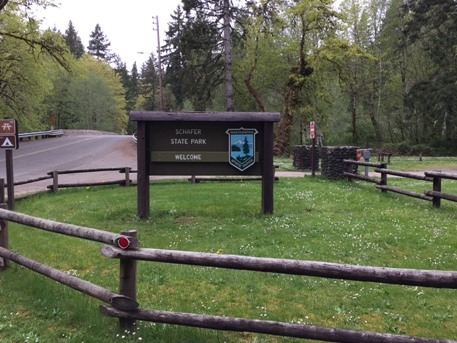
[8,142]
[8,134]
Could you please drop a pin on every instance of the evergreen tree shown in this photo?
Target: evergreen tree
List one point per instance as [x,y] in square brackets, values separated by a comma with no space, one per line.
[73,41]
[99,45]
[121,70]
[133,89]
[175,58]
[202,65]
[149,85]
[199,39]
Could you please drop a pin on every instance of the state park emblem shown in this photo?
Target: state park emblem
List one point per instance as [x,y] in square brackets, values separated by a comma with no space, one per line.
[242,147]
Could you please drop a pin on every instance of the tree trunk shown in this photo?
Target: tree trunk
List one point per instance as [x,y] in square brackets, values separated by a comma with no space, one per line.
[296,82]
[372,113]
[282,144]
[3,3]
[354,113]
[228,59]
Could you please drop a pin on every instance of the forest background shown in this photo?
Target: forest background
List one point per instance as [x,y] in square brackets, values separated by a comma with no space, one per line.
[368,72]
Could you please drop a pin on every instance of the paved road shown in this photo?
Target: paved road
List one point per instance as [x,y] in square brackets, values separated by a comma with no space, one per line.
[37,158]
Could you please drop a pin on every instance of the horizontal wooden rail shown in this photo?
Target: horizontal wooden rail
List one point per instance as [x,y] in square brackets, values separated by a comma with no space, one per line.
[89,184]
[362,177]
[117,300]
[361,163]
[411,277]
[403,174]
[404,192]
[266,327]
[441,195]
[36,179]
[95,170]
[441,175]
[65,229]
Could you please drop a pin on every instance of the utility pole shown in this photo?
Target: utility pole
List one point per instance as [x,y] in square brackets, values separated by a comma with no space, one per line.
[159,61]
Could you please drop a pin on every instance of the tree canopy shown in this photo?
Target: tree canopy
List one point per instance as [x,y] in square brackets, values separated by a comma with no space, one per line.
[377,71]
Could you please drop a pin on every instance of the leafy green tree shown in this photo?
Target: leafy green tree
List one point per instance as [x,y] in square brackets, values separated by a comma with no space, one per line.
[27,66]
[93,99]
[73,41]
[99,45]
[3,3]
[312,28]
[364,77]
[432,27]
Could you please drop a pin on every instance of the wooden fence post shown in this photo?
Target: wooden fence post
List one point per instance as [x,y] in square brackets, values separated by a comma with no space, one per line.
[2,191]
[127,283]
[3,226]
[350,170]
[383,177]
[436,188]
[55,181]
[9,178]
[127,176]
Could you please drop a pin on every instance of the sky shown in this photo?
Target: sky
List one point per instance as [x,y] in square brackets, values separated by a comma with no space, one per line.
[128,25]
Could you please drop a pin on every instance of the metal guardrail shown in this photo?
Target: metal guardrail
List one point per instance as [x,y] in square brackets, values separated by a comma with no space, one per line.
[134,137]
[42,134]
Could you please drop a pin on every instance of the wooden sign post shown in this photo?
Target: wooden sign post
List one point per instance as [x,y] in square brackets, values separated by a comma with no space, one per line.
[9,141]
[204,143]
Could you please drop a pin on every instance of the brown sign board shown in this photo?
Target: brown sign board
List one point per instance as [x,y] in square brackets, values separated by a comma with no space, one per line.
[199,148]
[204,143]
[8,134]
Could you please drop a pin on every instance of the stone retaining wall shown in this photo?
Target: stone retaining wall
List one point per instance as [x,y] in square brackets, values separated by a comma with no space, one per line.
[331,157]
[332,160]
[303,157]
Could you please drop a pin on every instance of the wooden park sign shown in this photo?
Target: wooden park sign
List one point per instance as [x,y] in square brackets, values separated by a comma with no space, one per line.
[204,143]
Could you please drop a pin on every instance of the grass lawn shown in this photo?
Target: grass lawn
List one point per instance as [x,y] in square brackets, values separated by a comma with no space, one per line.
[314,219]
[403,163]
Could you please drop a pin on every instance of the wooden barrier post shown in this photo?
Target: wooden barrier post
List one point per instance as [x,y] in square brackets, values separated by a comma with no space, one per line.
[3,226]
[127,282]
[383,178]
[2,191]
[10,178]
[350,171]
[127,176]
[55,181]
[436,188]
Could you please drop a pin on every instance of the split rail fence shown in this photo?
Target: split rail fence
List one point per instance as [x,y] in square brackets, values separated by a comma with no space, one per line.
[124,305]
[434,195]
[54,175]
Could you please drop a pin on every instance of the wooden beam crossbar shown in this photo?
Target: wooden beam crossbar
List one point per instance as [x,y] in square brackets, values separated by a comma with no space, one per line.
[403,174]
[441,175]
[404,192]
[441,195]
[117,300]
[96,170]
[65,229]
[265,326]
[411,277]
[367,164]
[89,184]
[362,177]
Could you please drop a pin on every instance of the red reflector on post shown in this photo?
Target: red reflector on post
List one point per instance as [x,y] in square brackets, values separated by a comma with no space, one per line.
[123,242]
